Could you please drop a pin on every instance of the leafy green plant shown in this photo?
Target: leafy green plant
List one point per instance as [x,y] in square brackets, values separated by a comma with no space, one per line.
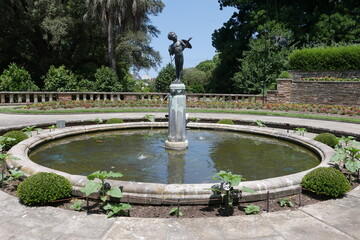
[15,174]
[38,130]
[229,181]
[97,120]
[117,209]
[16,78]
[93,186]
[42,188]
[348,141]
[347,155]
[194,119]
[326,181]
[13,138]
[252,209]
[260,123]
[226,121]
[105,190]
[285,202]
[106,80]
[114,120]
[327,138]
[52,127]
[353,159]
[77,204]
[149,117]
[28,130]
[301,131]
[4,140]
[4,156]
[176,211]
[60,79]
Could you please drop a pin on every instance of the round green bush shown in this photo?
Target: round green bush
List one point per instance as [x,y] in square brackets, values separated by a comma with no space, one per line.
[284,74]
[326,181]
[17,135]
[114,120]
[226,121]
[43,188]
[327,138]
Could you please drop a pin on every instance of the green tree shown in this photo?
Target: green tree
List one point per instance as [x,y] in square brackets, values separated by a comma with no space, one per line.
[59,79]
[119,16]
[263,62]
[165,77]
[207,67]
[195,80]
[336,28]
[16,78]
[134,48]
[39,33]
[106,80]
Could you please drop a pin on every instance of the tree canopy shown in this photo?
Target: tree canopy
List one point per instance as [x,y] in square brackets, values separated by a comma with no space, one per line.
[37,34]
[309,22]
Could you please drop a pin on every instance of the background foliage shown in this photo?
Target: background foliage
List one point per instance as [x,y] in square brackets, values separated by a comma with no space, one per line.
[38,34]
[322,22]
[252,46]
[326,58]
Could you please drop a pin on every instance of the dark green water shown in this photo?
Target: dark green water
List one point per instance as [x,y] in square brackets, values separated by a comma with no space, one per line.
[139,155]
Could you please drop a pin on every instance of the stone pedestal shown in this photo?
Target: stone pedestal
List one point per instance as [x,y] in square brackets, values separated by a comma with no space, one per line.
[177,138]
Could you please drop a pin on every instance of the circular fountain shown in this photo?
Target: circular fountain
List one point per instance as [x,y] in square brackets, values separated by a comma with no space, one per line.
[178,178]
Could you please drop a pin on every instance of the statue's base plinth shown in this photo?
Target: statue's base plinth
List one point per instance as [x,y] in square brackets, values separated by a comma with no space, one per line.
[177,139]
[176,145]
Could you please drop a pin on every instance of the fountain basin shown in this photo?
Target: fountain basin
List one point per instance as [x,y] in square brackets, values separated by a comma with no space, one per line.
[156,193]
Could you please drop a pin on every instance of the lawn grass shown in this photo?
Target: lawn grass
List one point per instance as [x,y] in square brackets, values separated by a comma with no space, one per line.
[17,110]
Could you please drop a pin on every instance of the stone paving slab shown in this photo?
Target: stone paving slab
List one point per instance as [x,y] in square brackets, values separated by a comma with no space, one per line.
[343,214]
[298,225]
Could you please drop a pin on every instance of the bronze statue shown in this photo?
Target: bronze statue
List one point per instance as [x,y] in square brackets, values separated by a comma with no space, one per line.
[177,48]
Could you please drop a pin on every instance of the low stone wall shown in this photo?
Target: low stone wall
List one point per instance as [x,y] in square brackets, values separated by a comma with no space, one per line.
[283,92]
[333,93]
[295,90]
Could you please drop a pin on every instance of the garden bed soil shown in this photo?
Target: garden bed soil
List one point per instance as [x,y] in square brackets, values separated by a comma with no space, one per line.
[189,211]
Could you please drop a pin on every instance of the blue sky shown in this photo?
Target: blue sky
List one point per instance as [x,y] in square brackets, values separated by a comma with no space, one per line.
[188,18]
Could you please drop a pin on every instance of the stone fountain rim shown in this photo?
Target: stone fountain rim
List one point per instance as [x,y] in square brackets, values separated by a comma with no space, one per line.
[157,193]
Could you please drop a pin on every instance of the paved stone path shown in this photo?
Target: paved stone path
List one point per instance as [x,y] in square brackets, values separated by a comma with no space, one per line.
[333,219]
[21,120]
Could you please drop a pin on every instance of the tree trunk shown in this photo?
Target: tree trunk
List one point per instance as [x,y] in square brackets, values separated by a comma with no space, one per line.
[111,40]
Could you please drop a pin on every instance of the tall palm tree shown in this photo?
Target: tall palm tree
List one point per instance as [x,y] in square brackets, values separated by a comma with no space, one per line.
[119,16]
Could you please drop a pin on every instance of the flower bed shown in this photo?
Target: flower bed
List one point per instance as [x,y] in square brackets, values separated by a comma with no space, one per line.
[330,79]
[236,105]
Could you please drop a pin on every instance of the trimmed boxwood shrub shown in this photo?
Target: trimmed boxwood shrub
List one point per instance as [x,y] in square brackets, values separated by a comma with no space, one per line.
[326,58]
[226,121]
[17,135]
[284,74]
[327,138]
[43,188]
[326,181]
[114,120]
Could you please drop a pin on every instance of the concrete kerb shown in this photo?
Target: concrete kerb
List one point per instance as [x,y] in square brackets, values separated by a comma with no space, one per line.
[153,193]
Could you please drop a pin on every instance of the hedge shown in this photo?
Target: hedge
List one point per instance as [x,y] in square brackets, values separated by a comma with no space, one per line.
[326,59]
